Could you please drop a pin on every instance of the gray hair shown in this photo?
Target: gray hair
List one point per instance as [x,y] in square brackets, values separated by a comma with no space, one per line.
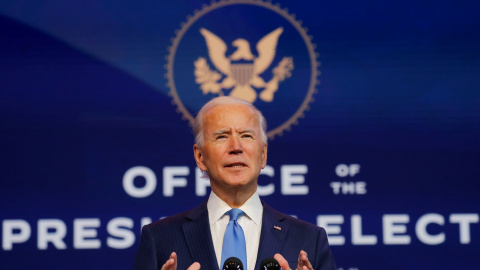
[226,100]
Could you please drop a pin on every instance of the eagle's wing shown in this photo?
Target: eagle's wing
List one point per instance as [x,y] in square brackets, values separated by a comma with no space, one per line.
[216,50]
[266,50]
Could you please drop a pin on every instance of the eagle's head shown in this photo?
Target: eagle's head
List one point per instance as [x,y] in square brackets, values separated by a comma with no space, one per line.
[243,51]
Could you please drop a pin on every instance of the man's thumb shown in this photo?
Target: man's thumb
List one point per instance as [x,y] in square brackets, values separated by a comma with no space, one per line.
[283,263]
[194,266]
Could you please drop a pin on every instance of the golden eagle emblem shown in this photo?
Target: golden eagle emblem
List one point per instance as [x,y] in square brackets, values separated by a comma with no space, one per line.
[241,70]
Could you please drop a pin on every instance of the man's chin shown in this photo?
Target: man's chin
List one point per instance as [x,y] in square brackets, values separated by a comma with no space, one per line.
[240,182]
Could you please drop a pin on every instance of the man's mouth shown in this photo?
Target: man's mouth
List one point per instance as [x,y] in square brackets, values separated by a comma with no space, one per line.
[236,165]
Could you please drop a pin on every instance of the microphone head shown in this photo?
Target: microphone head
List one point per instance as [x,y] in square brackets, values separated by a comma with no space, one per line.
[269,264]
[233,263]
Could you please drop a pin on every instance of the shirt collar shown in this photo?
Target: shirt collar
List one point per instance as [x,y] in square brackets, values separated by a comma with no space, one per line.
[253,208]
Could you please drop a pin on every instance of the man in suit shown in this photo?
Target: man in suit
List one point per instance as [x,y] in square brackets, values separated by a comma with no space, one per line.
[231,149]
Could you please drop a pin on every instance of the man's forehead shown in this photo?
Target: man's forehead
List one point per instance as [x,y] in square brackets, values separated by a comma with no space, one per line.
[224,116]
[222,110]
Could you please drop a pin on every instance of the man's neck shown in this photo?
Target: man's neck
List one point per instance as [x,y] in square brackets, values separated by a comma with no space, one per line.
[234,197]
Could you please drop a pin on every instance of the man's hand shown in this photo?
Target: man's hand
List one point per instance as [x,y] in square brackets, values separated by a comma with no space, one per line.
[303,262]
[171,263]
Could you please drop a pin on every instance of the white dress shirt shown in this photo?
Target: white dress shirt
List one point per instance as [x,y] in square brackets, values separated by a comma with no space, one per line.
[251,223]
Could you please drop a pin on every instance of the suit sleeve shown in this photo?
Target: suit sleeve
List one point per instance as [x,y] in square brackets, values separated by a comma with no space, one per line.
[324,258]
[146,258]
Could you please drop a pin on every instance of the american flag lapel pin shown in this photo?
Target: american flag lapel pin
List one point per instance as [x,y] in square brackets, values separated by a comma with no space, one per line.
[277,228]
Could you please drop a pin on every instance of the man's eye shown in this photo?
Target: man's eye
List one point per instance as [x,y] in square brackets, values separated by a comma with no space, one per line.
[221,137]
[247,136]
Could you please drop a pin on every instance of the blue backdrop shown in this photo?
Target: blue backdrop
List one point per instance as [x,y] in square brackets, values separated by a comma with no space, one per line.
[374,123]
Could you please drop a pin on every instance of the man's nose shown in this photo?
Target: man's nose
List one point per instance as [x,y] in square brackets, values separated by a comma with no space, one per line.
[235,145]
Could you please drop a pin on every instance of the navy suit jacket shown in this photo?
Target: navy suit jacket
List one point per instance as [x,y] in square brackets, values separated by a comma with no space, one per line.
[188,234]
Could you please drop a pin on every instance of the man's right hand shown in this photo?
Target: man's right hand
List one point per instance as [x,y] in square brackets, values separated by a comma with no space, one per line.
[171,263]
[303,262]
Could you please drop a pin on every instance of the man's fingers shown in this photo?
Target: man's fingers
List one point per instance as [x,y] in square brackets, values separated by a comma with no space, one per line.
[283,263]
[171,263]
[303,262]
[194,266]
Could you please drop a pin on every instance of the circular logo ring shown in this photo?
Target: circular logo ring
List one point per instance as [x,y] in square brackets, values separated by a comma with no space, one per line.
[314,64]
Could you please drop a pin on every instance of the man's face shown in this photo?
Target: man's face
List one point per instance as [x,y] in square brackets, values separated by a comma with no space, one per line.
[233,152]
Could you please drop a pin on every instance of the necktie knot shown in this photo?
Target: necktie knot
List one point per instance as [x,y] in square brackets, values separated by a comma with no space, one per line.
[235,213]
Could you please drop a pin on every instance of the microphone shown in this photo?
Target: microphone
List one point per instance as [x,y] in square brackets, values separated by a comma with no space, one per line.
[233,263]
[269,264]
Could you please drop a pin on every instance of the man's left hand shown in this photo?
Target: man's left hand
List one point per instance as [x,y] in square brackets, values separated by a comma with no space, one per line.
[303,262]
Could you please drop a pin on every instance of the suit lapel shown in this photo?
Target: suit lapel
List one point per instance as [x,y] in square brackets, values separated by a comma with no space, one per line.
[199,239]
[273,234]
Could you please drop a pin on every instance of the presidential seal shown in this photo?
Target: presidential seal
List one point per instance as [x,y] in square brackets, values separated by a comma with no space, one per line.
[249,49]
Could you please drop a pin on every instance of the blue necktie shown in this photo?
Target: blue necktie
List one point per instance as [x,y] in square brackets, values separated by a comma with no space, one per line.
[234,239]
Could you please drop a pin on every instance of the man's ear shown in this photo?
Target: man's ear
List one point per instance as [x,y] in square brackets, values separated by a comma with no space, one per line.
[198,153]
[264,155]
